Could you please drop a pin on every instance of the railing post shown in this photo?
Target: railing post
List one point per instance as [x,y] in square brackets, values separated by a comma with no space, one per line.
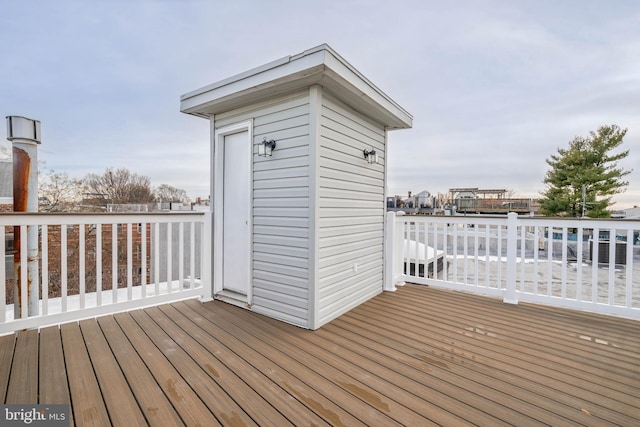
[510,296]
[206,261]
[389,249]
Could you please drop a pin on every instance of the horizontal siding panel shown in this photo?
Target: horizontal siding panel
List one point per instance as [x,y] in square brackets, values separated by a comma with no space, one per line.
[281,221]
[357,204]
[281,134]
[281,231]
[285,147]
[289,202]
[346,211]
[344,239]
[280,115]
[280,269]
[344,270]
[339,174]
[282,152]
[328,254]
[352,229]
[286,212]
[336,111]
[265,295]
[285,183]
[269,276]
[346,258]
[339,289]
[346,139]
[276,163]
[348,221]
[359,293]
[263,108]
[281,192]
[293,291]
[290,314]
[356,173]
[277,259]
[327,232]
[332,186]
[291,251]
[293,123]
[267,175]
[296,242]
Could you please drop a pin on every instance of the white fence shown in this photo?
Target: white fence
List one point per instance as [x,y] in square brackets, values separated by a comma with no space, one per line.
[92,264]
[585,264]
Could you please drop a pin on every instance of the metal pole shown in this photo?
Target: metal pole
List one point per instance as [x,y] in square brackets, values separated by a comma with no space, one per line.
[24,133]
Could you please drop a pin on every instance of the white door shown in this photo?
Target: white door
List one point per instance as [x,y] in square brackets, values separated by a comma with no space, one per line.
[236,210]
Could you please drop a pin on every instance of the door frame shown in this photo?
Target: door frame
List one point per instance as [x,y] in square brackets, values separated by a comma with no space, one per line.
[218,213]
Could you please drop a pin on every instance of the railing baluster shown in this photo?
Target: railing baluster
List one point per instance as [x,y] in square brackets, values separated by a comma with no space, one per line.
[143,261]
[476,262]
[612,264]
[595,258]
[129,262]
[180,255]
[549,260]
[192,254]
[156,258]
[98,264]
[579,248]
[454,255]
[563,291]
[63,267]
[629,270]
[499,229]
[82,270]
[523,255]
[169,257]
[44,257]
[114,263]
[487,253]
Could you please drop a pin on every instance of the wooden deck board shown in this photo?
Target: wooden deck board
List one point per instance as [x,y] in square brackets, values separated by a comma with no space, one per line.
[418,356]
[256,371]
[87,403]
[7,346]
[155,405]
[121,405]
[183,398]
[54,387]
[226,381]
[23,383]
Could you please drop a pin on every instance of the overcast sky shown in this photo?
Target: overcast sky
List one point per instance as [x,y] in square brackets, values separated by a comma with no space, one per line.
[494,87]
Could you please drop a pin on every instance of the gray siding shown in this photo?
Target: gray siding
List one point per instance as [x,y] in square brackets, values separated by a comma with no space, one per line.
[351,210]
[280,207]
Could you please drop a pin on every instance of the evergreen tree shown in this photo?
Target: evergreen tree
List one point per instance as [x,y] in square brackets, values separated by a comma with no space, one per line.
[589,163]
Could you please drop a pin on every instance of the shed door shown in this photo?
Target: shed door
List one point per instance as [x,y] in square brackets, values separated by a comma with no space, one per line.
[236,209]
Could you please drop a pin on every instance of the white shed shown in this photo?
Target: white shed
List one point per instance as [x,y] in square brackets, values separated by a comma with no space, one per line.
[298,235]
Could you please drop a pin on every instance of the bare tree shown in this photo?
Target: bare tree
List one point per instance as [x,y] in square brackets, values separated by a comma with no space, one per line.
[118,186]
[168,193]
[58,192]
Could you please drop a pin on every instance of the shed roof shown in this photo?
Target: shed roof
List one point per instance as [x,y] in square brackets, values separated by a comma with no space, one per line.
[319,65]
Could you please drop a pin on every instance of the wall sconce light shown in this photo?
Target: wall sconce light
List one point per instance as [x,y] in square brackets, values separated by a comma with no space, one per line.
[370,156]
[265,149]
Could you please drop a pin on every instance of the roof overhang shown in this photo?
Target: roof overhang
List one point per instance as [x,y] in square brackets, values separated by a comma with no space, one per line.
[320,65]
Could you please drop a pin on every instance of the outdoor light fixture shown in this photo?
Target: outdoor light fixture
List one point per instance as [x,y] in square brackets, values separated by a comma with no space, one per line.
[370,156]
[265,149]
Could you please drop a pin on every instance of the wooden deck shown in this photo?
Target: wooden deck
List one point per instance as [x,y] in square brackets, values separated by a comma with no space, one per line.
[419,356]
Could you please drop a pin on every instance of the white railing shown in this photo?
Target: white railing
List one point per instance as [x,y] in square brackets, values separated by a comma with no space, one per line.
[93,264]
[584,264]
